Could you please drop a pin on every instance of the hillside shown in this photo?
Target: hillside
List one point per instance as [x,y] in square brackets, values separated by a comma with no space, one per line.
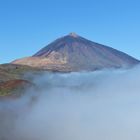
[12,80]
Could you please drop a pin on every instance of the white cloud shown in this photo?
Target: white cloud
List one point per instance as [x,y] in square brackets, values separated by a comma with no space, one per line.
[101,105]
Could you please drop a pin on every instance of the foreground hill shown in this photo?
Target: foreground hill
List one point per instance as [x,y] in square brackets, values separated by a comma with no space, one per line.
[12,80]
[75,53]
[13,71]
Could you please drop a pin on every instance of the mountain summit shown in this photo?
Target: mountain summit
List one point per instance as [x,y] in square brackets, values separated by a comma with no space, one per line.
[75,53]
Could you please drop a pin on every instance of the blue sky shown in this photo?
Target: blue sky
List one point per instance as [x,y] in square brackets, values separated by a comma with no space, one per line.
[28,25]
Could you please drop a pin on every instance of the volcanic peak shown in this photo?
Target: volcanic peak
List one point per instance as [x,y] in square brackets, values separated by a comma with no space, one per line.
[73,34]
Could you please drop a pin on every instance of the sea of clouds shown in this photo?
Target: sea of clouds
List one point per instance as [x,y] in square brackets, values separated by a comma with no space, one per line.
[101,105]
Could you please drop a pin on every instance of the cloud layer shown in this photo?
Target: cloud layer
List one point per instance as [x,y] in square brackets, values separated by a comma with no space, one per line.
[102,105]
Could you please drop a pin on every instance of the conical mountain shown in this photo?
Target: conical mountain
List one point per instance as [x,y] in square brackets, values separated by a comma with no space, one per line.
[75,53]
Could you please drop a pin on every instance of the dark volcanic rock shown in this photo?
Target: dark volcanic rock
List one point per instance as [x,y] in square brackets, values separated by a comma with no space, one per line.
[75,53]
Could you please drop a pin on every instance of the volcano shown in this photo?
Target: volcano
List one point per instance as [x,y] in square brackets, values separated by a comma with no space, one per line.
[75,53]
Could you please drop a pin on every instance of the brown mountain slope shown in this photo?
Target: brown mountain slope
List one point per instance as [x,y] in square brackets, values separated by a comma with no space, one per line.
[75,53]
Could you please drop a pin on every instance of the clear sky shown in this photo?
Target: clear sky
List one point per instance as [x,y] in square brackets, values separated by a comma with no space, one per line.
[28,25]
